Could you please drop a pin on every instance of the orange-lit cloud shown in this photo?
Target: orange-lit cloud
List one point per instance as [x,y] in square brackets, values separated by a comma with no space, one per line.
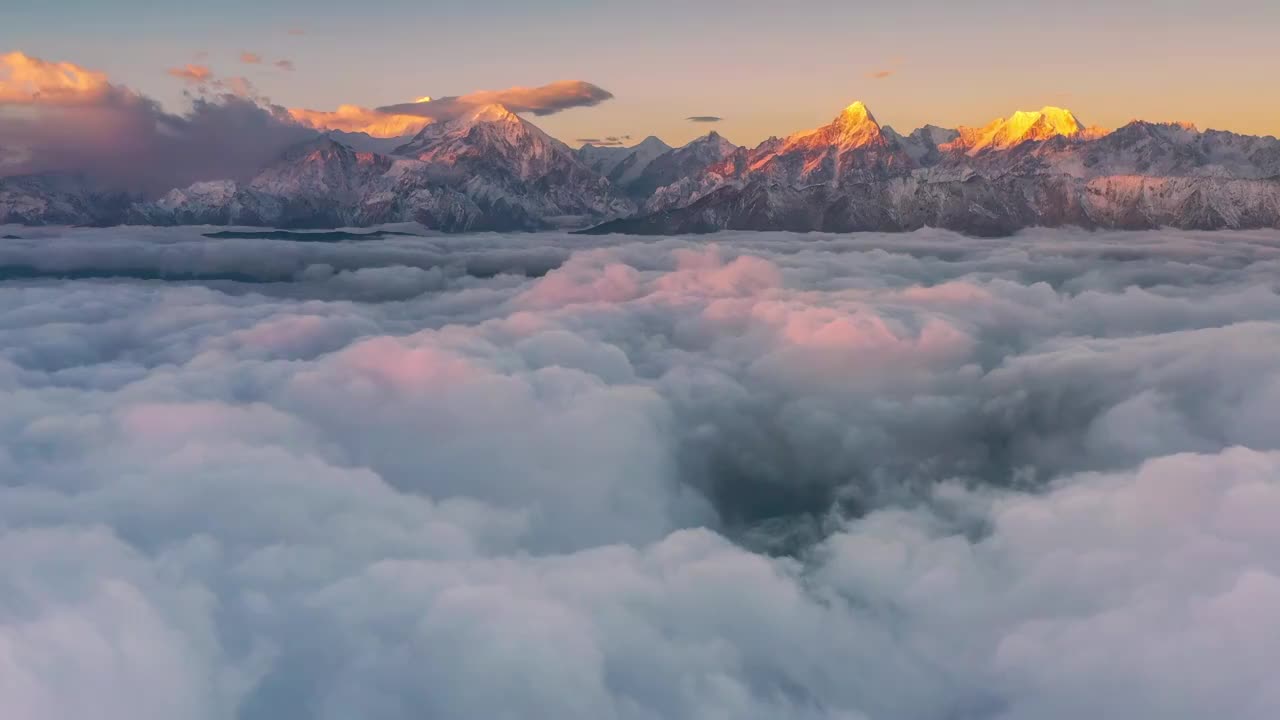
[202,78]
[192,74]
[26,80]
[880,74]
[250,58]
[353,118]
[543,100]
[409,118]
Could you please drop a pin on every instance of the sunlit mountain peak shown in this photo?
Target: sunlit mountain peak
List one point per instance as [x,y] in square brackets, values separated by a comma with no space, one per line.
[1023,126]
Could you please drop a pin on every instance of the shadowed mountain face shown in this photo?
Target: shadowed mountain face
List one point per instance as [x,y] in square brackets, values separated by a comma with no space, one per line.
[490,169]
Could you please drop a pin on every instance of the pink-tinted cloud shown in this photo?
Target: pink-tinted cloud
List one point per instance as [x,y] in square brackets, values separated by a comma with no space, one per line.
[543,100]
[192,74]
[250,58]
[75,120]
[202,78]
[880,74]
[239,86]
[296,31]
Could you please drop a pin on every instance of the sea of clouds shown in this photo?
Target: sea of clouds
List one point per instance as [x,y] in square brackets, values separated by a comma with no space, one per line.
[760,475]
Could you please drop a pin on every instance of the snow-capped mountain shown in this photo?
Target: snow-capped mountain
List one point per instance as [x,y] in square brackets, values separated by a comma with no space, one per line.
[923,144]
[978,205]
[852,148]
[687,161]
[490,169]
[501,160]
[622,165]
[1032,168]
[486,170]
[60,200]
[1019,128]
[364,142]
[603,158]
[634,163]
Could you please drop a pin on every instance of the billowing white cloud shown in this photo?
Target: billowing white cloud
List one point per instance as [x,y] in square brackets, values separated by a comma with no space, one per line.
[756,476]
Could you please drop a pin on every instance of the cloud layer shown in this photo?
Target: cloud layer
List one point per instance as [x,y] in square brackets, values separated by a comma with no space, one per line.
[908,476]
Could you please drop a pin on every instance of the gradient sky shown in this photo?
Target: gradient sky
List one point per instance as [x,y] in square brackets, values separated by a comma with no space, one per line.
[766,67]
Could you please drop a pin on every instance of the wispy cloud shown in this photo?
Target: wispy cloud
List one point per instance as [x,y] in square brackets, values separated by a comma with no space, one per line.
[880,74]
[192,74]
[296,31]
[286,65]
[704,118]
[203,80]
[543,100]
[607,141]
[250,58]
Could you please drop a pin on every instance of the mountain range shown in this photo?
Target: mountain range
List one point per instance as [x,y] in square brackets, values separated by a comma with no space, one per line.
[491,169]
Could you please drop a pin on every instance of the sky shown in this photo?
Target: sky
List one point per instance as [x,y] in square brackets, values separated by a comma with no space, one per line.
[766,68]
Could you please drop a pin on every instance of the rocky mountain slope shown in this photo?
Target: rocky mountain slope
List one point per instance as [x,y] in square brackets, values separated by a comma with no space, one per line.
[60,200]
[491,169]
[1032,168]
[487,170]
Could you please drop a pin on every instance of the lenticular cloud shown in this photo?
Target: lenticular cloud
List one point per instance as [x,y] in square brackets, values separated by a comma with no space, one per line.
[746,476]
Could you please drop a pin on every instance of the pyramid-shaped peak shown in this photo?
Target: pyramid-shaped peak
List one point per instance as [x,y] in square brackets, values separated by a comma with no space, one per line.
[493,112]
[713,139]
[855,112]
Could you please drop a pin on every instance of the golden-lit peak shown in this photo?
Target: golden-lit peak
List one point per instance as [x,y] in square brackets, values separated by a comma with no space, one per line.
[856,111]
[854,127]
[1023,126]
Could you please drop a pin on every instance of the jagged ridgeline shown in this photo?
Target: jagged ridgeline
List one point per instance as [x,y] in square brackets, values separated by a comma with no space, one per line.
[491,169]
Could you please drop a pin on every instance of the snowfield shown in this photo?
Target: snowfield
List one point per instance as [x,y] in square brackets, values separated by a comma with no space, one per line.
[742,475]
